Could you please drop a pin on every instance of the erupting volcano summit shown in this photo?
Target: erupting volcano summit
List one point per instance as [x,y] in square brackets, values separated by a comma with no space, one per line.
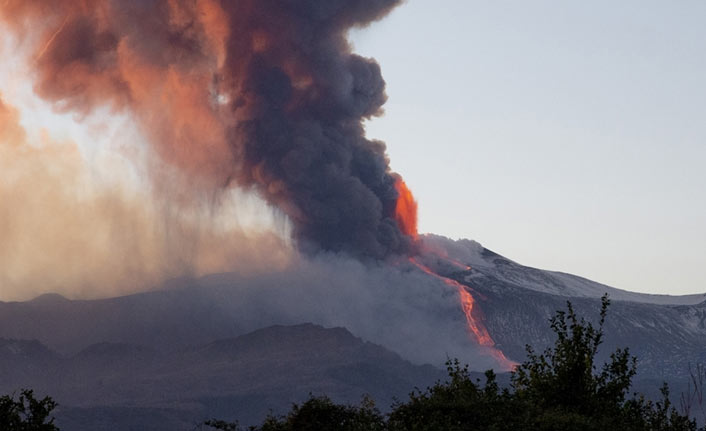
[263,94]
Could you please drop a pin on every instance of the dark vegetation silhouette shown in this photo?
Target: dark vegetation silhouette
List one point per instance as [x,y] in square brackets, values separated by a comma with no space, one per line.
[559,389]
[692,401]
[26,413]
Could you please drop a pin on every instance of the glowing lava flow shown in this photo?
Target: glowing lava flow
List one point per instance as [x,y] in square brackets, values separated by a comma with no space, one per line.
[467,302]
[406,217]
[475,326]
[480,332]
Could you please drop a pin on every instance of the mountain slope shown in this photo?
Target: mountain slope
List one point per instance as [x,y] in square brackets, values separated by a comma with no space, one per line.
[392,304]
[486,263]
[237,378]
[666,333]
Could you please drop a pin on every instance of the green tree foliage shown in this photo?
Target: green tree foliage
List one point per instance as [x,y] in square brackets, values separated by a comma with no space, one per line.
[458,404]
[26,413]
[560,389]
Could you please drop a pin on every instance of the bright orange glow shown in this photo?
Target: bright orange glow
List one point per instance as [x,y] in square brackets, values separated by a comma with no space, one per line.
[406,209]
[473,321]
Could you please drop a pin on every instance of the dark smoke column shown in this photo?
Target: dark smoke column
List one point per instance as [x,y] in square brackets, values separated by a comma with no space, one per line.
[300,96]
[262,93]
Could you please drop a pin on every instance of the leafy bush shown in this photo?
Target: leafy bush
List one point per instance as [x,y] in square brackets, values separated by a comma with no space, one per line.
[26,413]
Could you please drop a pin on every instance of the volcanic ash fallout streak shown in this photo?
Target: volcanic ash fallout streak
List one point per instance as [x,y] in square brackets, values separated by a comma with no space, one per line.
[259,93]
[65,227]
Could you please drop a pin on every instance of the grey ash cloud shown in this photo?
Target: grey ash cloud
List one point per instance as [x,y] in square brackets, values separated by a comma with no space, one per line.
[264,94]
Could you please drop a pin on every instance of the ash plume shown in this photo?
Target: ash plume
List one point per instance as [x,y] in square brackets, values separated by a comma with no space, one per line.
[263,94]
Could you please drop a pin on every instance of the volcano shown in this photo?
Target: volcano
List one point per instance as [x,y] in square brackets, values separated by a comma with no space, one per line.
[399,305]
[222,102]
[405,316]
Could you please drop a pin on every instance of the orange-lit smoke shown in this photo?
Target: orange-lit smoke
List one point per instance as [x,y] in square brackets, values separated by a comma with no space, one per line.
[81,61]
[405,209]
[266,95]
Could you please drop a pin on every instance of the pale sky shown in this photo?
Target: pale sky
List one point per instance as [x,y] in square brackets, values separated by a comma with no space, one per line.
[565,135]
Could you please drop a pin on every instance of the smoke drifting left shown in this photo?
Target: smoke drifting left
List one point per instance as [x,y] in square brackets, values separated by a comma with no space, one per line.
[262,94]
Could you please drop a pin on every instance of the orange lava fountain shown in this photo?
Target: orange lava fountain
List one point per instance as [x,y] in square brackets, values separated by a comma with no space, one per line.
[406,217]
[406,209]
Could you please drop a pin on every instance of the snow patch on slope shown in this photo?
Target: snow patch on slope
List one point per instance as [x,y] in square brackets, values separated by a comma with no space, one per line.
[485,263]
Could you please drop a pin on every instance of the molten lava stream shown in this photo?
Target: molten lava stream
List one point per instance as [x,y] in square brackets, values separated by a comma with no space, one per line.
[406,217]
[475,326]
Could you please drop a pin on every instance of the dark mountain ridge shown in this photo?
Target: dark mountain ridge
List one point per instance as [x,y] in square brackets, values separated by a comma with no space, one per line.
[238,378]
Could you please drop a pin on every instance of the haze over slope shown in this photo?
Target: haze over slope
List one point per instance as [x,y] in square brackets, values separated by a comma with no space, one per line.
[415,314]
